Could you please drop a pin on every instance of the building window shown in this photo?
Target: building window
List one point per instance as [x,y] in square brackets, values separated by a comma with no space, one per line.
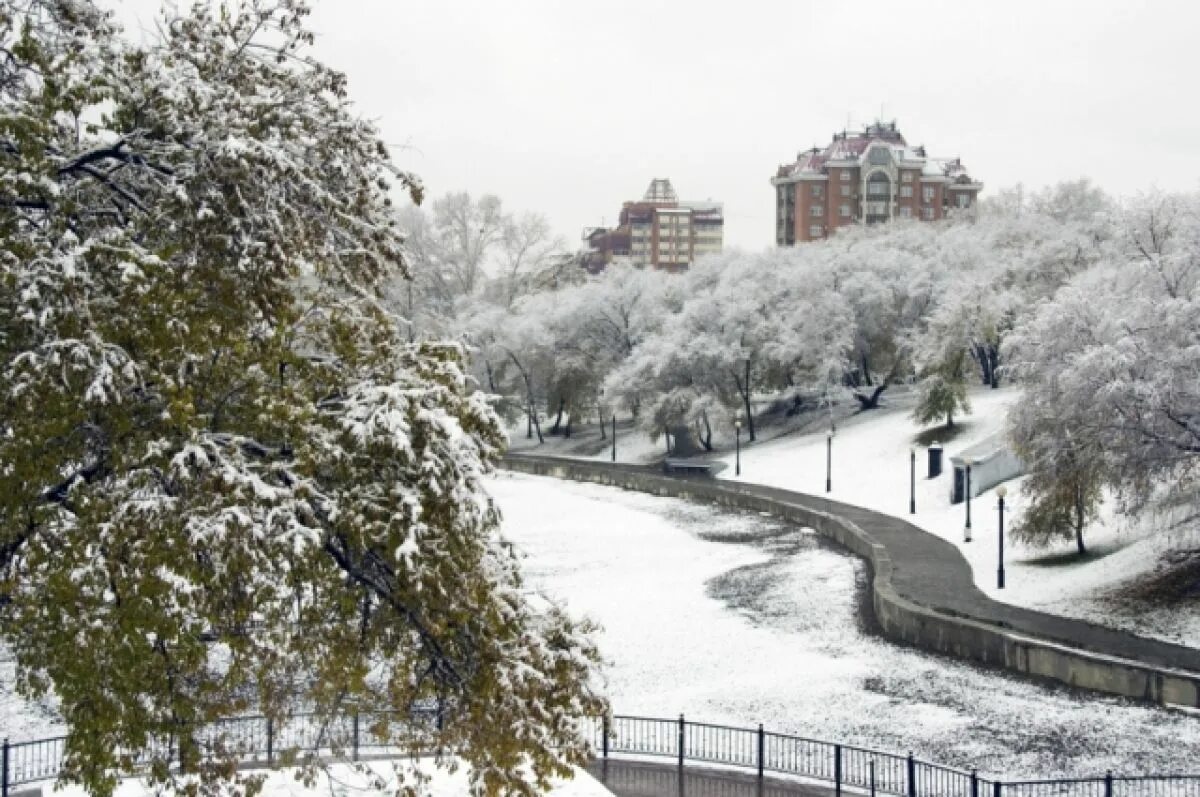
[906,177]
[905,212]
[878,185]
[964,200]
[906,190]
[845,190]
[816,189]
[845,175]
[928,192]
[845,211]
[880,156]
[816,231]
[817,211]
[927,214]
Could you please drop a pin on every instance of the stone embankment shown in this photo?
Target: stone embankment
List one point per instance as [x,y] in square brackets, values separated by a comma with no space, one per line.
[923,593]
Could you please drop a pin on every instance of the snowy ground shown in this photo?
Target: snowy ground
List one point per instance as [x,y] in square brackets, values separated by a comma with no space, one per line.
[343,781]
[871,469]
[742,619]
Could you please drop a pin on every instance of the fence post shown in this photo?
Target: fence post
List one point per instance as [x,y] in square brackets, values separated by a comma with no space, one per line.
[762,745]
[1108,784]
[356,734]
[270,741]
[974,783]
[682,726]
[604,735]
[912,775]
[997,789]
[871,769]
[837,770]
[4,770]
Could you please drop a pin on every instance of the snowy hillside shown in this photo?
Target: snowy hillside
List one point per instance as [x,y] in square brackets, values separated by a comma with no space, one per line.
[870,468]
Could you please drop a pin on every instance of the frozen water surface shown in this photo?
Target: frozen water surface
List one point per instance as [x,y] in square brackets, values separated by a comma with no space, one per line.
[737,618]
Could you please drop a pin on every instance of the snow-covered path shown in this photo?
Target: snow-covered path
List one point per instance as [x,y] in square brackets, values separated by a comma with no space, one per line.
[741,619]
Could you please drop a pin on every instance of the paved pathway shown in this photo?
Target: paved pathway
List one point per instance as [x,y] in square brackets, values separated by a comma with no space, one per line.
[648,779]
[931,572]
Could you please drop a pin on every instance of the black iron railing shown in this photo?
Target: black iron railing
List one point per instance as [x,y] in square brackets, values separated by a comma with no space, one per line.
[846,767]
[852,768]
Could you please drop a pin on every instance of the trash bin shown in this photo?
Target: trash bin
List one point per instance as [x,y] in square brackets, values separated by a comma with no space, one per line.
[935,461]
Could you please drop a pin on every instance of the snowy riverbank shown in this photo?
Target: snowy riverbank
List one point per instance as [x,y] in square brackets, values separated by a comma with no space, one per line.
[741,619]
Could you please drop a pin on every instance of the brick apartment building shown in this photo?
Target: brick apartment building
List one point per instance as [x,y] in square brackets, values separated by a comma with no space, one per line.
[659,231]
[870,176]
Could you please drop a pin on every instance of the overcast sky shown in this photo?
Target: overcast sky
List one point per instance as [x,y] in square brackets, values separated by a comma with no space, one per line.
[569,108]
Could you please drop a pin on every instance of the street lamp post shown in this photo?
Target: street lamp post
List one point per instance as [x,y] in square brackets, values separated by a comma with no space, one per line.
[829,461]
[614,436]
[967,486]
[1000,493]
[737,461]
[912,481]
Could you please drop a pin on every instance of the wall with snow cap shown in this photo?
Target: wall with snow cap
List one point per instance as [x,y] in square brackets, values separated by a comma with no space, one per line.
[900,618]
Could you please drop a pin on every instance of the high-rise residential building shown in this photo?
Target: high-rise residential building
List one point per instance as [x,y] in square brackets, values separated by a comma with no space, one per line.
[870,176]
[658,231]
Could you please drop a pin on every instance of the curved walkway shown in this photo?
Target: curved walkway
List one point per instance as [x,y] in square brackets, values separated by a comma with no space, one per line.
[648,779]
[924,593]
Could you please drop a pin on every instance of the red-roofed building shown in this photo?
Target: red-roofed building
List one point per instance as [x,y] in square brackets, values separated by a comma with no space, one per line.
[870,176]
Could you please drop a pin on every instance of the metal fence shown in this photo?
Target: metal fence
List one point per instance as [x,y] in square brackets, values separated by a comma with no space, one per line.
[250,739]
[851,768]
[846,767]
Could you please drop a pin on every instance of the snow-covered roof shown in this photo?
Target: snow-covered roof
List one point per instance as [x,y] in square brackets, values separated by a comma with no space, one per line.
[852,147]
[983,450]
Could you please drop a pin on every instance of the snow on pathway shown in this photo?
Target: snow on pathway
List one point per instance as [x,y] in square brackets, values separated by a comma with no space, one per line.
[739,619]
[871,469]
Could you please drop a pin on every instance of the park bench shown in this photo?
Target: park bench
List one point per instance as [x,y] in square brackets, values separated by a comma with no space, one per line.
[686,466]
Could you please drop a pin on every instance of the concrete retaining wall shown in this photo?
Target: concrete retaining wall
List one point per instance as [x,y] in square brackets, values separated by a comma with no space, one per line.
[899,618]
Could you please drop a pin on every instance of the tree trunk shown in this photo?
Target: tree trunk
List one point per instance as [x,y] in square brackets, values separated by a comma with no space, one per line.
[949,419]
[979,355]
[491,376]
[866,370]
[529,422]
[537,426]
[872,401]
[706,439]
[1079,510]
[743,388]
[562,403]
[600,415]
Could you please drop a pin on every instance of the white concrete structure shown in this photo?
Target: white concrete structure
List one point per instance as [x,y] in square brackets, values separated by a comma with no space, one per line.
[992,462]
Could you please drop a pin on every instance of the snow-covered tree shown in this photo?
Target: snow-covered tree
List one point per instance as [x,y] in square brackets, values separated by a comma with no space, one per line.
[228,481]
[746,323]
[1109,369]
[469,250]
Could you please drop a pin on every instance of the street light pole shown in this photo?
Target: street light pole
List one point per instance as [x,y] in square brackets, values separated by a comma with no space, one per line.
[1000,493]
[912,481]
[737,466]
[829,462]
[967,529]
[614,436]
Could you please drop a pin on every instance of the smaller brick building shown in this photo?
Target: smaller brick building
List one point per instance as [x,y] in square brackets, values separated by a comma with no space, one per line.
[660,231]
[871,176]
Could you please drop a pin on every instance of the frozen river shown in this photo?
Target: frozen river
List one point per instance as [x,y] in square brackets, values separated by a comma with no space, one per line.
[741,619]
